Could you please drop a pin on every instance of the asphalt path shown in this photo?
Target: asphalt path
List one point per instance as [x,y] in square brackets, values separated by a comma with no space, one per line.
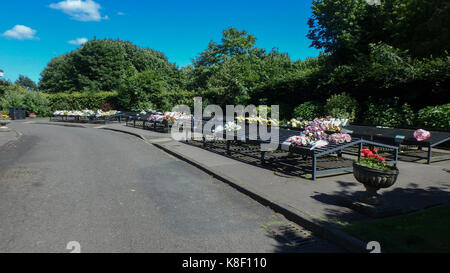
[112,192]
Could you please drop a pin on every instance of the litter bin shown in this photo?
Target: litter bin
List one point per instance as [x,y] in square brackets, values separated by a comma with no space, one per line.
[17,113]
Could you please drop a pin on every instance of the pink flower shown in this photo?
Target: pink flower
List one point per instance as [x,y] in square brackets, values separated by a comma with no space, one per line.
[421,134]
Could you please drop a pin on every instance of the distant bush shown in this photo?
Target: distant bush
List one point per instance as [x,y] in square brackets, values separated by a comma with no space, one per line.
[81,100]
[341,106]
[389,112]
[308,110]
[36,102]
[435,116]
[17,96]
[11,99]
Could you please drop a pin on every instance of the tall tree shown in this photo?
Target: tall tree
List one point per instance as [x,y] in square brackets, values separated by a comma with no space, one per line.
[26,82]
[346,28]
[100,65]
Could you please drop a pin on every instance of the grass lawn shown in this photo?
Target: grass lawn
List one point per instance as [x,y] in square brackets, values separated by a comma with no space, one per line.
[424,231]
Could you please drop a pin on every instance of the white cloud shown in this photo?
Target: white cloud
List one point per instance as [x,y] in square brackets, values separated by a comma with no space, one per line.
[21,32]
[80,10]
[78,41]
[120,13]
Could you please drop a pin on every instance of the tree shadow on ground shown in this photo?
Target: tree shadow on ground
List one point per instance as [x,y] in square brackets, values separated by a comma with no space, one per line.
[407,199]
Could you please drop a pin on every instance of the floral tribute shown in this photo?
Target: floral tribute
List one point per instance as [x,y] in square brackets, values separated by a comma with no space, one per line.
[232,127]
[339,138]
[318,129]
[421,135]
[371,159]
[258,120]
[85,113]
[169,117]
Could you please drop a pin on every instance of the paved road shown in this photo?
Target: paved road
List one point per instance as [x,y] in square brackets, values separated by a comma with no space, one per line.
[112,192]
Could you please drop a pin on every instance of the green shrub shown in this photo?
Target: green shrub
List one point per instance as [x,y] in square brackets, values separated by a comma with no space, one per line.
[435,116]
[341,106]
[81,100]
[32,101]
[308,110]
[11,99]
[389,112]
[36,102]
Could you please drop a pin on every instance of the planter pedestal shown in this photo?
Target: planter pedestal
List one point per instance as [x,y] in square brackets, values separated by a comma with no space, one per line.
[368,202]
[373,180]
[381,209]
[370,196]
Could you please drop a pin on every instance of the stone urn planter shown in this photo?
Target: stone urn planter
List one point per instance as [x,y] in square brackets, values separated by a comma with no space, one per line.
[373,179]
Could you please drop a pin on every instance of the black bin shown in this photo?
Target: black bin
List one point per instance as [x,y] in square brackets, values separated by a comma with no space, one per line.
[17,113]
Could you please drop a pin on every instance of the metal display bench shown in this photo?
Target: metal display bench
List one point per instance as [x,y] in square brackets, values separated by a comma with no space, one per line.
[142,121]
[233,144]
[87,119]
[399,137]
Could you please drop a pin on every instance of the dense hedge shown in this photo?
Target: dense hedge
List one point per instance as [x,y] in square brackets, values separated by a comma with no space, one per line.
[435,117]
[308,110]
[81,100]
[341,106]
[16,96]
[388,112]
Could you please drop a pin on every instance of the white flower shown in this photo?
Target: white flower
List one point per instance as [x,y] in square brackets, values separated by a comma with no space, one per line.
[232,127]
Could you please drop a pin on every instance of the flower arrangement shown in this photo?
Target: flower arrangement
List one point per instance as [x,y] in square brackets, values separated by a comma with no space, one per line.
[4,116]
[316,130]
[170,117]
[328,124]
[232,127]
[258,120]
[156,117]
[85,113]
[371,159]
[421,135]
[294,123]
[300,140]
[339,138]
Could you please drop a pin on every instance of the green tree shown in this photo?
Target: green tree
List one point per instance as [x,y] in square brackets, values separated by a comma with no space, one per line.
[100,65]
[421,27]
[26,82]
[341,27]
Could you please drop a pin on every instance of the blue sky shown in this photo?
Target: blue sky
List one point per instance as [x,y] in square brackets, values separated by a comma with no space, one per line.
[32,32]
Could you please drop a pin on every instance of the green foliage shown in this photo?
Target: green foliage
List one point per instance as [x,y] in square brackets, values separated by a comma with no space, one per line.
[308,110]
[345,28]
[421,27]
[373,163]
[81,100]
[36,102]
[26,83]
[100,65]
[225,73]
[12,98]
[369,50]
[341,106]
[4,86]
[32,101]
[389,112]
[435,117]
[425,231]
[337,27]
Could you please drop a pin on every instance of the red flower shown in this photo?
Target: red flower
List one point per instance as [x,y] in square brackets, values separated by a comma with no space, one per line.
[375,150]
